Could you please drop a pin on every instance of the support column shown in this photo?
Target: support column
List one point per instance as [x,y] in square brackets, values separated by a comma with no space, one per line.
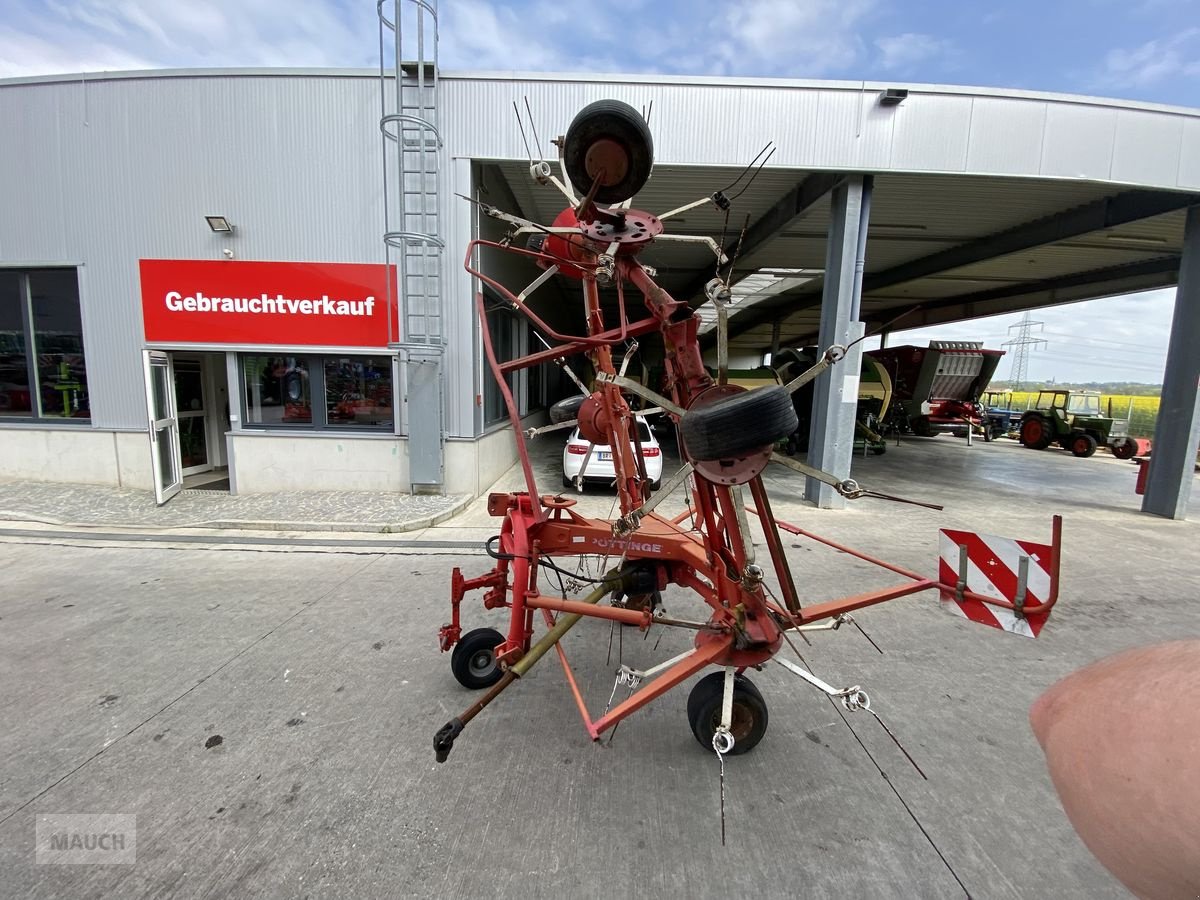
[1169,484]
[835,392]
[776,328]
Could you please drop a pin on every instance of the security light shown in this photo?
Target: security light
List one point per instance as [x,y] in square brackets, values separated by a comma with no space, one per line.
[219,224]
[893,96]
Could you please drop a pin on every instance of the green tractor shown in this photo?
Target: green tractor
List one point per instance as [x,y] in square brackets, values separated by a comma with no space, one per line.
[1073,420]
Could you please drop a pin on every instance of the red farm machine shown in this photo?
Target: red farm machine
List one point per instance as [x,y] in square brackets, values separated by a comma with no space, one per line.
[753,612]
[937,388]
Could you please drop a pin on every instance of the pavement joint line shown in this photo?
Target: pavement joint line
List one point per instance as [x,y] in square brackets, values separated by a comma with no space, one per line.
[303,608]
[241,540]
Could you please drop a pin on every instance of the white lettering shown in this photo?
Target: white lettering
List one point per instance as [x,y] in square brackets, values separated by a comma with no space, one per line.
[265,304]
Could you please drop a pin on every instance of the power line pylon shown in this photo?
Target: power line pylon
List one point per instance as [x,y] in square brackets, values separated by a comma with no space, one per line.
[1022,344]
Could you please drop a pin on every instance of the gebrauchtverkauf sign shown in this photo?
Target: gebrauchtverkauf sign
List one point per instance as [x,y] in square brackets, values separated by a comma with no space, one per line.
[201,301]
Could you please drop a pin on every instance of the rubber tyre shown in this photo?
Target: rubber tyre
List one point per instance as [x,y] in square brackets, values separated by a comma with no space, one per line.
[567,409]
[749,722]
[622,124]
[921,427]
[473,661]
[738,424]
[1036,434]
[655,485]
[568,484]
[1083,445]
[1125,448]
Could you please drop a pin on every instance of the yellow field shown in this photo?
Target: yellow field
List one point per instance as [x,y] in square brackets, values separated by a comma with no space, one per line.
[1142,412]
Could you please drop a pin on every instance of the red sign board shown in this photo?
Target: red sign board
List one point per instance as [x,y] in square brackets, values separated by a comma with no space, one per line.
[204,301]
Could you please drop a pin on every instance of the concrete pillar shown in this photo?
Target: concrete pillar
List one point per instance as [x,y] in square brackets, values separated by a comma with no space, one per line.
[1177,433]
[835,395]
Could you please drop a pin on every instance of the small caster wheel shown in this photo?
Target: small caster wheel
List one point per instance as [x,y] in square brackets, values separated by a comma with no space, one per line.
[748,723]
[473,661]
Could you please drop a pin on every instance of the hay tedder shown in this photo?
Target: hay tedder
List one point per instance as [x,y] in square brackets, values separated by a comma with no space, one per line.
[727,436]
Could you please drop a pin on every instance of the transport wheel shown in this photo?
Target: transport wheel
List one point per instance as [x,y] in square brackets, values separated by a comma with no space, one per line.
[748,723]
[1125,448]
[1083,445]
[738,423]
[1035,434]
[473,661]
[609,139]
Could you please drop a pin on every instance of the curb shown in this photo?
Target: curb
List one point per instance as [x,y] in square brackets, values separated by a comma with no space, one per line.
[258,525]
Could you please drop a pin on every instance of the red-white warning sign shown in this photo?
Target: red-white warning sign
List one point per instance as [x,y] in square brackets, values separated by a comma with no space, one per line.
[992,568]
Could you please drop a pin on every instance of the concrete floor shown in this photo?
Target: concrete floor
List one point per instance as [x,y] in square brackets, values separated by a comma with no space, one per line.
[319,669]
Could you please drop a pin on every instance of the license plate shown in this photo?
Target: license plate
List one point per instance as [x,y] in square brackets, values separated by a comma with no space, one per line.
[603,455]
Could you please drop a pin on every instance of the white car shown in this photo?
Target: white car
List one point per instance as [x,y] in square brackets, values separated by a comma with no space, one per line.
[600,462]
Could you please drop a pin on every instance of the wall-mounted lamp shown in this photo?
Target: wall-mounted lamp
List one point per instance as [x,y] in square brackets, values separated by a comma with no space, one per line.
[219,224]
[893,96]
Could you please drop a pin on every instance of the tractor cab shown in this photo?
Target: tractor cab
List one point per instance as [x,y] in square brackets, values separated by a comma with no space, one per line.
[1066,405]
[1073,420]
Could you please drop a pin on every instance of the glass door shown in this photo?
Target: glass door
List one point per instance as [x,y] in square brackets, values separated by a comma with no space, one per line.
[192,412]
[164,425]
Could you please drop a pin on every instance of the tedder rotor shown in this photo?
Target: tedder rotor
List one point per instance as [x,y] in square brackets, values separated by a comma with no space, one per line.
[727,436]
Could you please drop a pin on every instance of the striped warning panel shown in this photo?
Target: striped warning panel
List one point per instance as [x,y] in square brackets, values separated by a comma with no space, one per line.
[992,566]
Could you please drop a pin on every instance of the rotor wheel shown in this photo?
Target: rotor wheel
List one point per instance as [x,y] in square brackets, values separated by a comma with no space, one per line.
[608,141]
[1083,444]
[748,723]
[738,424]
[1036,434]
[473,661]
[567,409]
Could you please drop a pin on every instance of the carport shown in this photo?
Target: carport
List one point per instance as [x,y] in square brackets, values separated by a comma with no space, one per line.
[952,206]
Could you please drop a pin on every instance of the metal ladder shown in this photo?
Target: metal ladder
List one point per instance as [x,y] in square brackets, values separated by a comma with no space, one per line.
[408,75]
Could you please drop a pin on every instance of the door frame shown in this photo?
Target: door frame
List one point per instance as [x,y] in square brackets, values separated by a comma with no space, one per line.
[164,431]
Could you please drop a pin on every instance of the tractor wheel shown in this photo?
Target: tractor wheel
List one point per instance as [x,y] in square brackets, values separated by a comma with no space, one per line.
[922,427]
[748,723]
[1036,433]
[738,424]
[608,140]
[1125,448]
[473,661]
[1083,445]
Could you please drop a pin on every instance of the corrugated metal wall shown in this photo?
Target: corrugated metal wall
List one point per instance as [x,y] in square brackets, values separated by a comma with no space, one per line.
[103,171]
[842,127]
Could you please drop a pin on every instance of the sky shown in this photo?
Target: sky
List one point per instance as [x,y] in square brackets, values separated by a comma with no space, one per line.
[1146,50]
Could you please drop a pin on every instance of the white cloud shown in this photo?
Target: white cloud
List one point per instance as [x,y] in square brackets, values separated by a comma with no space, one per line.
[1152,62]
[800,38]
[902,51]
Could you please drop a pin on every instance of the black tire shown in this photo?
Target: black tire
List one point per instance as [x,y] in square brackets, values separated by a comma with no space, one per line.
[617,122]
[568,483]
[655,485]
[1083,444]
[739,423]
[473,661]
[1036,433]
[566,410]
[749,721]
[879,449]
[922,427]
[1125,448]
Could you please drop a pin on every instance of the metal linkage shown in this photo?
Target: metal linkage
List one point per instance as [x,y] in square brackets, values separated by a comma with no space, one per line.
[628,523]
[847,487]
[834,354]
[645,393]
[851,697]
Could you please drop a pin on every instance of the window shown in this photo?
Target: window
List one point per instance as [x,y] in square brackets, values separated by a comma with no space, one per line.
[353,392]
[42,370]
